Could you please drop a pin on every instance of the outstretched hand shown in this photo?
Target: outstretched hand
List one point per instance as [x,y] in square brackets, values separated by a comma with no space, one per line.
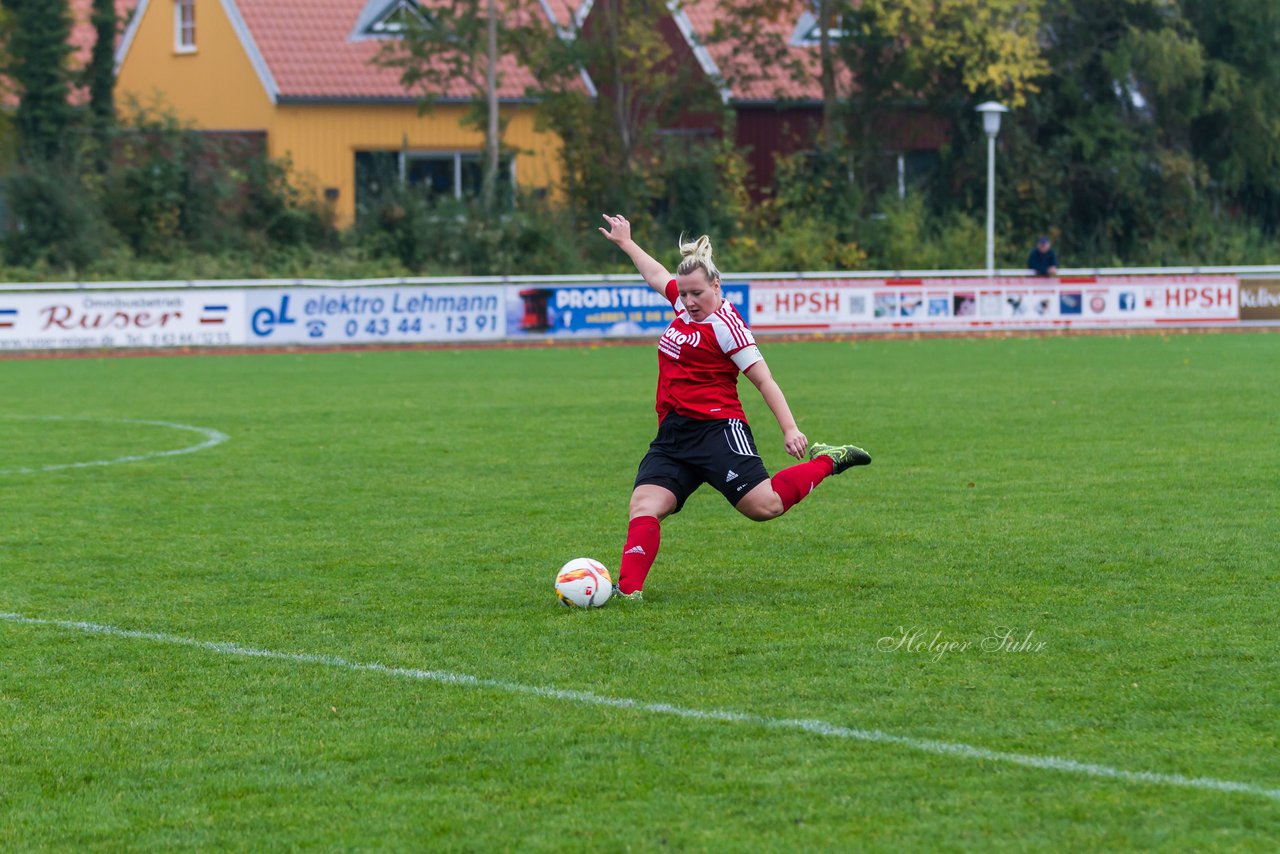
[619,229]
[796,443]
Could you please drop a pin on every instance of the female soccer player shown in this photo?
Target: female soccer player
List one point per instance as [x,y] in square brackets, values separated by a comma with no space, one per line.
[703,435]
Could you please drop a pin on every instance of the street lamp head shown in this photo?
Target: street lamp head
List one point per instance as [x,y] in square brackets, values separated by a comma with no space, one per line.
[991,117]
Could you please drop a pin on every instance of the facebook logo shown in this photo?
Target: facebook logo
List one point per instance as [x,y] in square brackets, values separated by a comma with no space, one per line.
[1128,301]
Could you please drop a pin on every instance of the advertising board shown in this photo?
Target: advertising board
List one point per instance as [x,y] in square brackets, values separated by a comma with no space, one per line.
[598,310]
[111,319]
[364,315]
[954,304]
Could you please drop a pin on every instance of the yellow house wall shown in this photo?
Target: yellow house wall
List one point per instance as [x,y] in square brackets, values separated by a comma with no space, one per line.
[216,88]
[322,141]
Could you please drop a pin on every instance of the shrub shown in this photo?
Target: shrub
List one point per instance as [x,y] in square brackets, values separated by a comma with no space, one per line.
[170,189]
[52,217]
[908,236]
[443,235]
[278,207]
[150,191]
[701,187]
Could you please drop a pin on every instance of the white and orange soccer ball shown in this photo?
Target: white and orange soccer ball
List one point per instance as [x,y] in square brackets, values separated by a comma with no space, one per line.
[583,583]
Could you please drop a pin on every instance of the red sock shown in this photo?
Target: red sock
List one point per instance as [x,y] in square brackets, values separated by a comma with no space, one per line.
[644,535]
[793,484]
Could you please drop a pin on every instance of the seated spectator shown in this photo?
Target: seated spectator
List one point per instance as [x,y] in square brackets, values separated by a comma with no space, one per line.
[1042,260]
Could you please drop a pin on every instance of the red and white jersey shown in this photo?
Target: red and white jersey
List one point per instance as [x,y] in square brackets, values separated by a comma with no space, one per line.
[698,362]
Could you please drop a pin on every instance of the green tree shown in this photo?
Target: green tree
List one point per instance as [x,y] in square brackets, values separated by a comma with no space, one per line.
[1236,132]
[1102,153]
[935,56]
[38,52]
[449,48]
[100,76]
[830,15]
[1155,139]
[6,124]
[986,47]
[618,154]
[877,61]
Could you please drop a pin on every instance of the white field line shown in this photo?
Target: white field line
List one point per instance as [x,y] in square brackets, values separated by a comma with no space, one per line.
[816,727]
[211,438]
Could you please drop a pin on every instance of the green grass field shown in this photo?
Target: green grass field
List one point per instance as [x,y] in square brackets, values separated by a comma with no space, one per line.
[1113,496]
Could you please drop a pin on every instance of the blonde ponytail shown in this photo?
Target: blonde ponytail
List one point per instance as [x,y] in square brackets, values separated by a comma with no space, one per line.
[697,255]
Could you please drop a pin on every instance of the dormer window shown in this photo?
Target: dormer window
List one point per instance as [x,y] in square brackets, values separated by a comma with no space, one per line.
[397,17]
[808,31]
[184,26]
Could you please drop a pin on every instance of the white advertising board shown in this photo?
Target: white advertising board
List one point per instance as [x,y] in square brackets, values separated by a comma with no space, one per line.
[112,319]
[362,315]
[953,304]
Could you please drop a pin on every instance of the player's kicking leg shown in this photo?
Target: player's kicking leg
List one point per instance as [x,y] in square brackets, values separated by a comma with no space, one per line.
[771,498]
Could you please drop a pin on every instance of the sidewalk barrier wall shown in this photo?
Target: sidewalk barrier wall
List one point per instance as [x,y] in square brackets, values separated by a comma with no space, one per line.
[274,313]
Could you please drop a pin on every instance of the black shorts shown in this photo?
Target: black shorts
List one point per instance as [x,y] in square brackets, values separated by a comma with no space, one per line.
[688,453]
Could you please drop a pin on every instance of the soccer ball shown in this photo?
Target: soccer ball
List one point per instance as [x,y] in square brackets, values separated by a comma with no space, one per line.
[583,583]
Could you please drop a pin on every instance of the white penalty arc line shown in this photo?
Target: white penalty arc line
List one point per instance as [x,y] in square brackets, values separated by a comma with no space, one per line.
[816,727]
[211,438]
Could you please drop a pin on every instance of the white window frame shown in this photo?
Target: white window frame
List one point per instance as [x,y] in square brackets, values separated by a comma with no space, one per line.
[808,30]
[406,156]
[184,26]
[384,27]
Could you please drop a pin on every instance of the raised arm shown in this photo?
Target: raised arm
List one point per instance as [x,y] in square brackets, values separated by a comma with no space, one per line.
[795,442]
[619,233]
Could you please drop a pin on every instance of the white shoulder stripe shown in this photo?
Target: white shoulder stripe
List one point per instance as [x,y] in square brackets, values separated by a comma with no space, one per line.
[742,324]
[735,337]
[724,335]
[726,315]
[741,335]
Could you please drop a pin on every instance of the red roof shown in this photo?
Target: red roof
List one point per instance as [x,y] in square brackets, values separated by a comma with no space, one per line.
[562,12]
[312,50]
[796,75]
[748,78]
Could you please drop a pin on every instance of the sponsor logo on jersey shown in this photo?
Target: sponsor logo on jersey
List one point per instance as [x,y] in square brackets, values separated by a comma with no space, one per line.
[672,340]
